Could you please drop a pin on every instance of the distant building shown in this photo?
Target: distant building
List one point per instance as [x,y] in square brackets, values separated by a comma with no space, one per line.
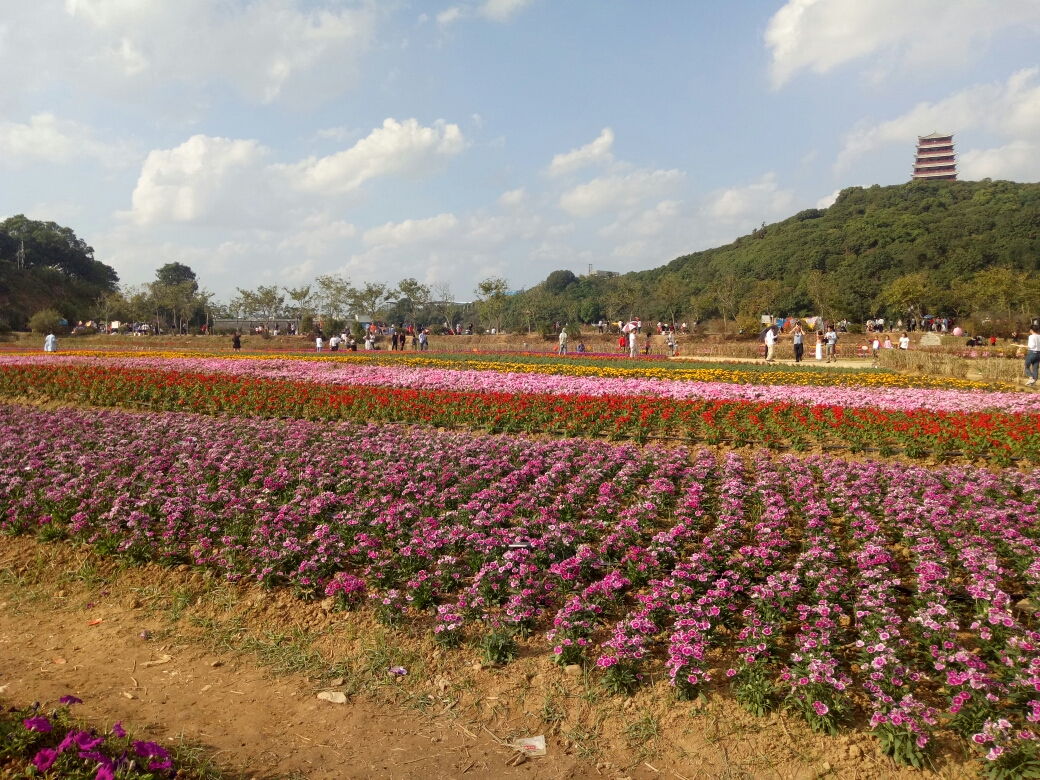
[935,158]
[604,274]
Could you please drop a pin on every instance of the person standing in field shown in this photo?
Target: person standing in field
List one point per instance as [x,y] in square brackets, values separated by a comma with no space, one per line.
[319,342]
[50,344]
[798,341]
[632,344]
[1033,354]
[904,342]
[830,339]
[770,339]
[236,343]
[563,340]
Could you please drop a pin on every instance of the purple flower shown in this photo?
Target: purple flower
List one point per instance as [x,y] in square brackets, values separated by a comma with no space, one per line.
[118,729]
[821,708]
[39,723]
[45,759]
[84,741]
[154,765]
[150,750]
[70,700]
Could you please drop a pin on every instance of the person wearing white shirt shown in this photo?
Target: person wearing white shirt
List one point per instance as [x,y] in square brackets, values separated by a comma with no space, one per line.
[770,339]
[50,344]
[319,342]
[1033,354]
[904,342]
[563,340]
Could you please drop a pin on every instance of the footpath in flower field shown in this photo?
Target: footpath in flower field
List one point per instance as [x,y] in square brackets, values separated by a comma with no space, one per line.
[132,646]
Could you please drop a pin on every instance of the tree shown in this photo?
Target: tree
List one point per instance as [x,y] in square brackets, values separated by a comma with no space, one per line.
[558,281]
[265,303]
[446,301]
[674,292]
[371,299]
[418,295]
[301,300]
[491,300]
[726,296]
[174,274]
[335,295]
[621,297]
[908,293]
[108,305]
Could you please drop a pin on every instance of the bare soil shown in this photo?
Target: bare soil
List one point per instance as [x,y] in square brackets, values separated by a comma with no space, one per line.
[236,671]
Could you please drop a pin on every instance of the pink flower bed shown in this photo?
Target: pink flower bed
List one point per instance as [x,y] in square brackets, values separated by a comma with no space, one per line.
[896,399]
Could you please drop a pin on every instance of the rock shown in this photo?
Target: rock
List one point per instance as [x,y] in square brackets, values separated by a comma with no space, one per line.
[1027,605]
[825,767]
[215,664]
[855,752]
[572,670]
[336,682]
[333,697]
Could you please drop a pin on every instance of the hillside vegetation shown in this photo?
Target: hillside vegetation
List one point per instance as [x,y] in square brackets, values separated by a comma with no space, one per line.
[945,248]
[58,272]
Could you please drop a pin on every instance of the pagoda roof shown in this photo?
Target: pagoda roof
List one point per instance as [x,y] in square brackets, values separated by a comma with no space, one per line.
[934,136]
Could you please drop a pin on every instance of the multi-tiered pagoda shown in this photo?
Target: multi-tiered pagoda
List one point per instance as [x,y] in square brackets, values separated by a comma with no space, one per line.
[935,158]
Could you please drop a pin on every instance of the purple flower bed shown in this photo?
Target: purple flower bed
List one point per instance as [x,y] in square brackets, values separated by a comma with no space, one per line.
[790,582]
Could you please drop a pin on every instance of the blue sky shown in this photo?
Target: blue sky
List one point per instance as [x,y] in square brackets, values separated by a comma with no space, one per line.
[269,141]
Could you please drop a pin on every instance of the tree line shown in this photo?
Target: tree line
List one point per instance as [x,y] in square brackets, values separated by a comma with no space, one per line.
[969,250]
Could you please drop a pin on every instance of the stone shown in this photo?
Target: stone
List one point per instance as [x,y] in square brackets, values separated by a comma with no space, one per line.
[825,767]
[572,670]
[855,752]
[336,682]
[333,697]
[1027,605]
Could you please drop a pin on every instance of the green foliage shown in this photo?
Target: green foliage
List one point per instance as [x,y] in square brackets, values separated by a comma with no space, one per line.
[900,744]
[499,647]
[954,248]
[46,321]
[57,271]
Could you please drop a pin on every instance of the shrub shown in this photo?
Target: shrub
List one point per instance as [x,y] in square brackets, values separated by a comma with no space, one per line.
[307,324]
[46,321]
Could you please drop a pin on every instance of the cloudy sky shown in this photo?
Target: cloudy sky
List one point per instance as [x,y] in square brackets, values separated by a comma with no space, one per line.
[269,141]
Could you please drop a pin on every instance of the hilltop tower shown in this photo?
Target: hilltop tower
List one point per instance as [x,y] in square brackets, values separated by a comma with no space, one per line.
[935,158]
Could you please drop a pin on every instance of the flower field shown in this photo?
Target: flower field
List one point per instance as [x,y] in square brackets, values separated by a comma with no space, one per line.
[844,591]
[825,418]
[899,597]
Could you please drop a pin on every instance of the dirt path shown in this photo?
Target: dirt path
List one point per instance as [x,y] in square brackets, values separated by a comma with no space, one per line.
[250,723]
[136,645]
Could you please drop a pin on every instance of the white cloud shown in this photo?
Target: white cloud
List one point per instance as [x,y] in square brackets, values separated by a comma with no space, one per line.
[618,191]
[402,148]
[213,181]
[264,49]
[1008,110]
[513,199]
[762,200]
[227,182]
[828,200]
[45,138]
[819,35]
[449,15]
[501,10]
[596,152]
[411,231]
[646,223]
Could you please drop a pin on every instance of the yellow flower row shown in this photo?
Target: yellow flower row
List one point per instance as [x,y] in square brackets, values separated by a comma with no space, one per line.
[831,378]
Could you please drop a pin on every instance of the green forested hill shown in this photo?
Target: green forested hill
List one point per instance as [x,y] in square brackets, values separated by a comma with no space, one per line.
[58,271]
[957,248]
